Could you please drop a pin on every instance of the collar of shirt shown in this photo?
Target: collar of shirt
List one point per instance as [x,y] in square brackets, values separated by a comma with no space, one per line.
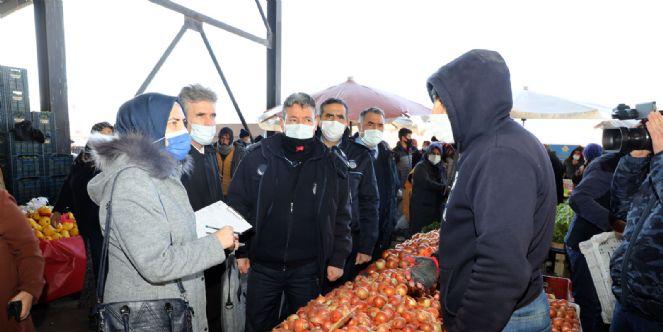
[374,150]
[201,150]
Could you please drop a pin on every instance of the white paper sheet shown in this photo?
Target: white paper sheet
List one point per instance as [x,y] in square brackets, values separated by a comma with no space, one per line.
[216,216]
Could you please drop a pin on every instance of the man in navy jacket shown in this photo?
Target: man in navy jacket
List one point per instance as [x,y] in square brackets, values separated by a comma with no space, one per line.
[497,227]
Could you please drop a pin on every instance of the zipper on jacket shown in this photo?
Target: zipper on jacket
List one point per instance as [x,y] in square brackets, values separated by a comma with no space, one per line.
[291,216]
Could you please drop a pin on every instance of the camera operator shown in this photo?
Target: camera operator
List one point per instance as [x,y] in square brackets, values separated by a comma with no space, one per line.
[636,266]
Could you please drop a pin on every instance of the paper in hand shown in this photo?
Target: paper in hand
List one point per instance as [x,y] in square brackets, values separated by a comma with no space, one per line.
[214,217]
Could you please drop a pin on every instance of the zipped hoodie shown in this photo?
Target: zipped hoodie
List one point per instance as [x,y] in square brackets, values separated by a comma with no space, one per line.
[497,227]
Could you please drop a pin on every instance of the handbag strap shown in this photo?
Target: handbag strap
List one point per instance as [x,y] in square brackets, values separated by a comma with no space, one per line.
[101,277]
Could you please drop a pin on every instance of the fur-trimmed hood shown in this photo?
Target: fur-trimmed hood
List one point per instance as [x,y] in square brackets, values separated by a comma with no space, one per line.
[133,150]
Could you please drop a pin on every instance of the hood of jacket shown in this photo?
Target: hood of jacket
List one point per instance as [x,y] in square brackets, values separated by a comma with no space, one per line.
[133,150]
[475,89]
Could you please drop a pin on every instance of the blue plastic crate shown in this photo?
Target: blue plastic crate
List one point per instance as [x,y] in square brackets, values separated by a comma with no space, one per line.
[43,121]
[49,144]
[26,167]
[57,164]
[4,145]
[51,186]
[19,148]
[24,190]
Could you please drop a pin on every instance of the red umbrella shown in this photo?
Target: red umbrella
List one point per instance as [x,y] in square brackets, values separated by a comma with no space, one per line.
[360,97]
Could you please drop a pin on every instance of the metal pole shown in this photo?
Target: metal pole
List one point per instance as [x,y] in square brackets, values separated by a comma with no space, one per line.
[206,19]
[163,58]
[52,62]
[274,55]
[225,82]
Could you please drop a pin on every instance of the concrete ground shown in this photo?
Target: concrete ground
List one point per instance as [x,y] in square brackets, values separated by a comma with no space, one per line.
[64,314]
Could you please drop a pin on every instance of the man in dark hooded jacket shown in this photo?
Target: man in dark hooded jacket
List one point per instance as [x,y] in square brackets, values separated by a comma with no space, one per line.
[497,226]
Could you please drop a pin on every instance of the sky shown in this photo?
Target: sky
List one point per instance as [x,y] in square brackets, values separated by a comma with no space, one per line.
[601,52]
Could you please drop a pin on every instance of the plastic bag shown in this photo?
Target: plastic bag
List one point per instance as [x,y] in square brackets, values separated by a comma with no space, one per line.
[233,294]
[64,268]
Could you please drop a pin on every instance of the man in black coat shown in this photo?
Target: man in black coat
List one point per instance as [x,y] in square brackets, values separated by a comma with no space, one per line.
[74,198]
[295,193]
[371,128]
[363,185]
[203,185]
[497,226]
[590,201]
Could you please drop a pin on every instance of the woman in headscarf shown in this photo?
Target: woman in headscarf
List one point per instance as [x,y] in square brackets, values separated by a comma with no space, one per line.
[429,187]
[572,165]
[153,241]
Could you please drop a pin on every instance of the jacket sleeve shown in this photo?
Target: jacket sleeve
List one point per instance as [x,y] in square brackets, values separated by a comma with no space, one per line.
[630,174]
[503,194]
[423,179]
[138,225]
[342,235]
[16,232]
[583,200]
[240,199]
[369,202]
[656,175]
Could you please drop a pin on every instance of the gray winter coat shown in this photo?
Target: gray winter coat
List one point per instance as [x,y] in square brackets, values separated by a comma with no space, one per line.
[150,209]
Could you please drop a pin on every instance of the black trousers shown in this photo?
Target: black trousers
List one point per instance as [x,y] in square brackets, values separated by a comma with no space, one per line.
[584,293]
[265,287]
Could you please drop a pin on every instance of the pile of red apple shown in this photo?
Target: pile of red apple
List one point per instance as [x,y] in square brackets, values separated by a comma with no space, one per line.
[382,298]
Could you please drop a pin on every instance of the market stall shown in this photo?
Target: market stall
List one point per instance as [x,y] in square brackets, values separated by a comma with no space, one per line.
[63,250]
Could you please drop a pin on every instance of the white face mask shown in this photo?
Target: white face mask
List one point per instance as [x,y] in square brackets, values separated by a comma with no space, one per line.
[372,137]
[97,136]
[299,131]
[332,130]
[203,135]
[576,157]
[434,159]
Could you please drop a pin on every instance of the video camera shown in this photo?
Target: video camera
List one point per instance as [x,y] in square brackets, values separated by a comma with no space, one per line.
[623,139]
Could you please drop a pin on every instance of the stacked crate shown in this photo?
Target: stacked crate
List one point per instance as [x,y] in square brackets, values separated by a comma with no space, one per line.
[30,169]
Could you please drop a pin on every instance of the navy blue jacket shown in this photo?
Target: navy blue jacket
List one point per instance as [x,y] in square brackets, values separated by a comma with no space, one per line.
[497,226]
[636,266]
[255,185]
[364,194]
[590,201]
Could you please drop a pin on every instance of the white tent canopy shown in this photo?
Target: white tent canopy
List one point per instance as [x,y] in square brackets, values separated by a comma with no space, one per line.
[532,105]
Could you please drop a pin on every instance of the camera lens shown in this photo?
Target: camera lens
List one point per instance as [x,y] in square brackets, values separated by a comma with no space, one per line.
[625,140]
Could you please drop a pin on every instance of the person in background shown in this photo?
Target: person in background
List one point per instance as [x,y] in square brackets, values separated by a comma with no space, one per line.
[295,192]
[153,241]
[573,165]
[364,195]
[450,160]
[429,188]
[497,226]
[22,272]
[424,146]
[591,152]
[244,138]
[636,266]
[370,135]
[202,184]
[416,153]
[403,154]
[590,201]
[433,139]
[558,169]
[74,197]
[228,155]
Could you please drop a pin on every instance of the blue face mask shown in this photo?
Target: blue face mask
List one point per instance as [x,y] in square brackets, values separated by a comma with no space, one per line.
[179,144]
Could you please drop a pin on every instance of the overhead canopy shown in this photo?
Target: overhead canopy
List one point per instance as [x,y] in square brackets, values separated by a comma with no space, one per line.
[532,105]
[360,97]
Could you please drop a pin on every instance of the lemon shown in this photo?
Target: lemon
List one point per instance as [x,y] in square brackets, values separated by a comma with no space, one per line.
[67,226]
[39,234]
[65,234]
[49,230]
[74,231]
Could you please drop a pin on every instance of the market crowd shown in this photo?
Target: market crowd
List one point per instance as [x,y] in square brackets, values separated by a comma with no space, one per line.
[323,203]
